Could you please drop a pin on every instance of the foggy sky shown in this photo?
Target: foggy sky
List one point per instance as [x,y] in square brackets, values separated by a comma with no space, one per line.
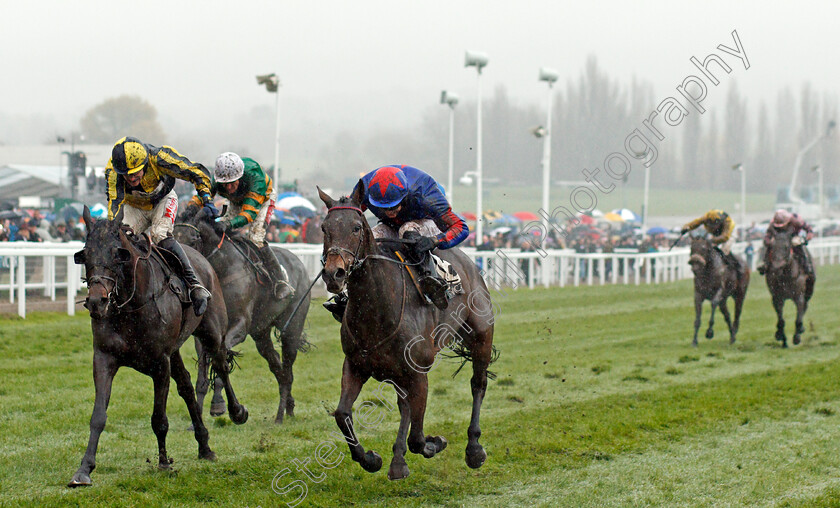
[383,62]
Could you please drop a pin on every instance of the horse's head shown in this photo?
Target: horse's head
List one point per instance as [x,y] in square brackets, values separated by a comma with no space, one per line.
[780,248]
[701,250]
[198,230]
[106,256]
[347,239]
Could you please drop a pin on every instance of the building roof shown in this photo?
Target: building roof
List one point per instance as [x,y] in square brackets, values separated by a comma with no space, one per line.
[21,180]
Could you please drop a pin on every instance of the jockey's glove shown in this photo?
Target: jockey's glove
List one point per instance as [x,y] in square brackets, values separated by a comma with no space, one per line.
[424,244]
[212,208]
[684,231]
[224,223]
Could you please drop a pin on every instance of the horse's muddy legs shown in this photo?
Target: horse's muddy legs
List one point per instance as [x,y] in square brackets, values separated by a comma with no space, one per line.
[399,468]
[160,423]
[732,330]
[779,305]
[238,412]
[698,311]
[104,369]
[801,304]
[182,378]
[351,385]
[475,454]
[419,443]
[282,372]
[710,333]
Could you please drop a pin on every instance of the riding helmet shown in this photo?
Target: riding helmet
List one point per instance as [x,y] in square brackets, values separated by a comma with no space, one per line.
[129,156]
[388,187]
[229,167]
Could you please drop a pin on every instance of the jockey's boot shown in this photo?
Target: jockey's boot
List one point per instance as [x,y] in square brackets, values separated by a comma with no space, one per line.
[433,286]
[198,293]
[337,304]
[281,287]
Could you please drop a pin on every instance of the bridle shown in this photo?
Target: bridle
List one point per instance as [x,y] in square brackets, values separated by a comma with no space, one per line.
[114,291]
[216,249]
[357,263]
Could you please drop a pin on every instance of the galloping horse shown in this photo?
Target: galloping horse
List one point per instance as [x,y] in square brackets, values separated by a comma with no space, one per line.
[715,281]
[787,280]
[391,334]
[249,309]
[139,322]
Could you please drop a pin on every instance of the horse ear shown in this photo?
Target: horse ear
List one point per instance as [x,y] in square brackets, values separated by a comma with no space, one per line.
[358,194]
[328,201]
[79,257]
[122,255]
[86,216]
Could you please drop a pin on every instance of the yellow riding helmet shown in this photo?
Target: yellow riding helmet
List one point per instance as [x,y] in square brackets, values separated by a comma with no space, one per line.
[129,156]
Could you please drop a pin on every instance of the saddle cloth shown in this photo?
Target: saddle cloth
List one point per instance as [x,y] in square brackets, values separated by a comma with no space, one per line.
[446,272]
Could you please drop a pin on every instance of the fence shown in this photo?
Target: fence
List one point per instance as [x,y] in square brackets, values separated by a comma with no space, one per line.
[49,266]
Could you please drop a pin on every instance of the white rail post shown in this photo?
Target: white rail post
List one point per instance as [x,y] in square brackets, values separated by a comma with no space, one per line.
[71,286]
[21,280]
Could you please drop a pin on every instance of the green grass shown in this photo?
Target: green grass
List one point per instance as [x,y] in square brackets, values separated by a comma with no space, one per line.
[511,199]
[600,401]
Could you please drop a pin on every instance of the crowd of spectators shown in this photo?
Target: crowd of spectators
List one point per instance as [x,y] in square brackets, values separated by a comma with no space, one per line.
[38,227]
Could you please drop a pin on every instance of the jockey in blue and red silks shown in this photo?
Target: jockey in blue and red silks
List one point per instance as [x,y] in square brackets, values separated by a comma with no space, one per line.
[410,203]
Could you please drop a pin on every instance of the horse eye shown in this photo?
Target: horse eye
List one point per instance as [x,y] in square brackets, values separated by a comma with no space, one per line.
[357,228]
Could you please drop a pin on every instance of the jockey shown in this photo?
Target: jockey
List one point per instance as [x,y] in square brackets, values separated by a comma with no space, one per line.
[784,220]
[720,225]
[251,196]
[410,203]
[142,177]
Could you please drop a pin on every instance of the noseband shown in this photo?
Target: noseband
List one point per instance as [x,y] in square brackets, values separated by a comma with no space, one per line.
[114,291]
[339,251]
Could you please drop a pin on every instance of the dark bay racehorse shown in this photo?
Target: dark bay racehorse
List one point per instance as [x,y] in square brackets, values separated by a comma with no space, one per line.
[250,307]
[391,334]
[716,281]
[787,280]
[138,322]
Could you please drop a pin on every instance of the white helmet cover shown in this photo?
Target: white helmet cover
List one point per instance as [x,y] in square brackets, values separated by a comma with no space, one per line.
[229,167]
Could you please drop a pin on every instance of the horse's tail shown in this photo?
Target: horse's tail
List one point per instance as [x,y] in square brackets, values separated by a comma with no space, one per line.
[459,350]
[303,345]
[232,364]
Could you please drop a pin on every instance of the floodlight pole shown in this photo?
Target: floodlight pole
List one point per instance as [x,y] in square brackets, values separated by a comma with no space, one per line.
[451,100]
[477,60]
[272,85]
[549,76]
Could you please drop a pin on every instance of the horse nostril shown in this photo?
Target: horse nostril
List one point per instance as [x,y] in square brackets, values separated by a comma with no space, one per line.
[340,274]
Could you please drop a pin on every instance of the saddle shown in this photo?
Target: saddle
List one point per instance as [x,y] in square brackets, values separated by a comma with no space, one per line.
[248,251]
[174,281]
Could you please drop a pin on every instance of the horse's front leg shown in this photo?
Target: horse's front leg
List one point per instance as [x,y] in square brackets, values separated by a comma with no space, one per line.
[725,311]
[715,301]
[104,369]
[160,423]
[399,468]
[351,385]
[418,442]
[779,306]
[800,315]
[235,335]
[698,310]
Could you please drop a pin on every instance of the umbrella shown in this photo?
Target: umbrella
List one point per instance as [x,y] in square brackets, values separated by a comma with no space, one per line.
[613,217]
[71,211]
[290,202]
[286,217]
[302,212]
[586,219]
[98,211]
[657,230]
[596,213]
[627,214]
[526,216]
[500,231]
[11,214]
[510,219]
[492,215]
[467,215]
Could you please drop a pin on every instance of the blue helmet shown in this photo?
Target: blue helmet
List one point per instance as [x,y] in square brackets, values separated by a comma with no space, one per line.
[388,187]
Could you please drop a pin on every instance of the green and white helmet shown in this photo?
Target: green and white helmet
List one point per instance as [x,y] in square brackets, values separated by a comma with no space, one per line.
[229,167]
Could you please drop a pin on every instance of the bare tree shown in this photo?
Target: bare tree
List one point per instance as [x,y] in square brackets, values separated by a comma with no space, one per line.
[126,115]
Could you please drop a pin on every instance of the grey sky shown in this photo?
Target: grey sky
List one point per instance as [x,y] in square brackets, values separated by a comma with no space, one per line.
[196,61]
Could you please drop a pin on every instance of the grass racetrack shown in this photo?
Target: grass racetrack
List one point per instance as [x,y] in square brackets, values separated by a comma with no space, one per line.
[600,400]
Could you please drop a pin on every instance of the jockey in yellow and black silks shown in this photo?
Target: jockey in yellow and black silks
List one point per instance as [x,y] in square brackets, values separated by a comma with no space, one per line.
[721,226]
[141,178]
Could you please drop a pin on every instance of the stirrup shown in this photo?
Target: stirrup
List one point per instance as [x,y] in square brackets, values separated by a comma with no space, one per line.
[435,290]
[283,290]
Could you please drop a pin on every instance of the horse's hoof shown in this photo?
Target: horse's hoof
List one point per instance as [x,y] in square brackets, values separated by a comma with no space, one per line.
[732,340]
[475,459]
[165,465]
[796,340]
[694,343]
[398,471]
[278,420]
[372,462]
[80,480]
[218,408]
[239,417]
[710,333]
[208,455]
[440,442]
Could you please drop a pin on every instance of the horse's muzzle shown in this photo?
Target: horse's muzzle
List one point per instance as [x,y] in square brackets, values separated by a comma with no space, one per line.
[335,279]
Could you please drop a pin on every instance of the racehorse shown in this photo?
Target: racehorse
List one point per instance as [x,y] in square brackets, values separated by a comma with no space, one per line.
[787,280]
[139,322]
[391,334]
[716,281]
[249,309]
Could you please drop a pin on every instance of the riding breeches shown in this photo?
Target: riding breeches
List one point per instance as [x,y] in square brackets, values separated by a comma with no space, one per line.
[158,222]
[726,247]
[255,230]
[426,227]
